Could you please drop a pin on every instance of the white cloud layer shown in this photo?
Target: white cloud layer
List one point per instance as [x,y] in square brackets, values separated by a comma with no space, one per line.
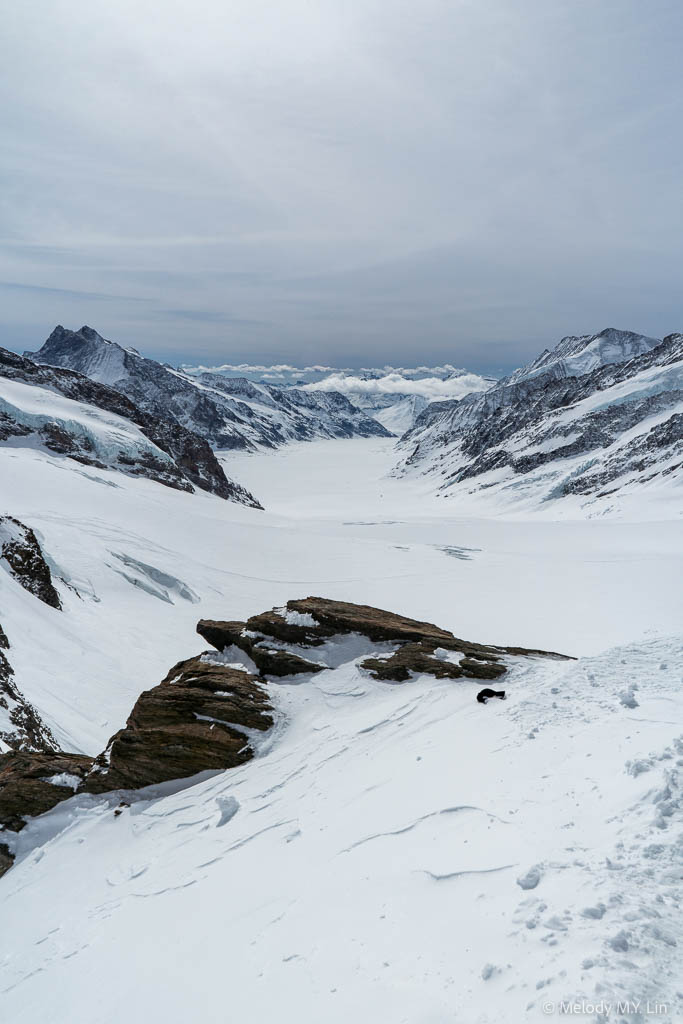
[433,389]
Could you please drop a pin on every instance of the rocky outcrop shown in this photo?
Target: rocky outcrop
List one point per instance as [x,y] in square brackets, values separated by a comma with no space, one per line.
[421,647]
[268,659]
[32,783]
[21,727]
[210,713]
[177,457]
[22,556]
[203,716]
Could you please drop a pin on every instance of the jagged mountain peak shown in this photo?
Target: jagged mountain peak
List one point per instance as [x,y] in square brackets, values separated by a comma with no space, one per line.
[227,415]
[575,355]
[85,351]
[598,415]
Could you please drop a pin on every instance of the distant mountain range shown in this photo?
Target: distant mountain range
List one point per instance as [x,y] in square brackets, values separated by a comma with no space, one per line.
[596,416]
[228,413]
[394,396]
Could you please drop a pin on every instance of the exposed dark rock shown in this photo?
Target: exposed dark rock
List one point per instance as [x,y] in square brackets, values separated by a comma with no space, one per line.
[23,557]
[269,660]
[24,789]
[199,718]
[191,463]
[24,729]
[645,451]
[417,640]
[6,858]
[203,716]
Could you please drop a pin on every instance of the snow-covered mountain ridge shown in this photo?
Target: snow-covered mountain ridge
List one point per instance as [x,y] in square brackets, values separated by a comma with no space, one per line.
[574,356]
[229,414]
[66,413]
[555,432]
[394,396]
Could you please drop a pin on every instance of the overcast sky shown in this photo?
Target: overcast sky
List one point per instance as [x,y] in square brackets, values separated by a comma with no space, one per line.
[353,182]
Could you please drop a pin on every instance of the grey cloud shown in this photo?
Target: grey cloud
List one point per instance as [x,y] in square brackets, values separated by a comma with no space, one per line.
[342,182]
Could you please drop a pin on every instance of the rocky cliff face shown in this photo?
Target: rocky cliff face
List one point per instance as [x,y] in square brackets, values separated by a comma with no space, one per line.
[205,715]
[22,558]
[136,442]
[228,413]
[550,434]
[213,712]
[21,727]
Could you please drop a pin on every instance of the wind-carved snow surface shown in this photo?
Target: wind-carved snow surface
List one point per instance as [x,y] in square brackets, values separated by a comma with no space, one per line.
[398,847]
[367,862]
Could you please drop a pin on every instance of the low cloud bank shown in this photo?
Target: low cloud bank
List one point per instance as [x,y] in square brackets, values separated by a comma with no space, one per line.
[433,389]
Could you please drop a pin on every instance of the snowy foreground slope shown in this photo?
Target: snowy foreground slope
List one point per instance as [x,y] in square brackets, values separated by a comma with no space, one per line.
[378,857]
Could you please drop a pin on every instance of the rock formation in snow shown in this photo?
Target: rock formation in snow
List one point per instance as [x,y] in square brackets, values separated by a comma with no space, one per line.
[211,713]
[21,727]
[22,556]
[310,622]
[202,716]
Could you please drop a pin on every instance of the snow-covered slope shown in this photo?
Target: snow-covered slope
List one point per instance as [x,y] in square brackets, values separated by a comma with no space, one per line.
[63,412]
[229,414]
[400,416]
[602,438]
[574,356]
[375,858]
[100,438]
